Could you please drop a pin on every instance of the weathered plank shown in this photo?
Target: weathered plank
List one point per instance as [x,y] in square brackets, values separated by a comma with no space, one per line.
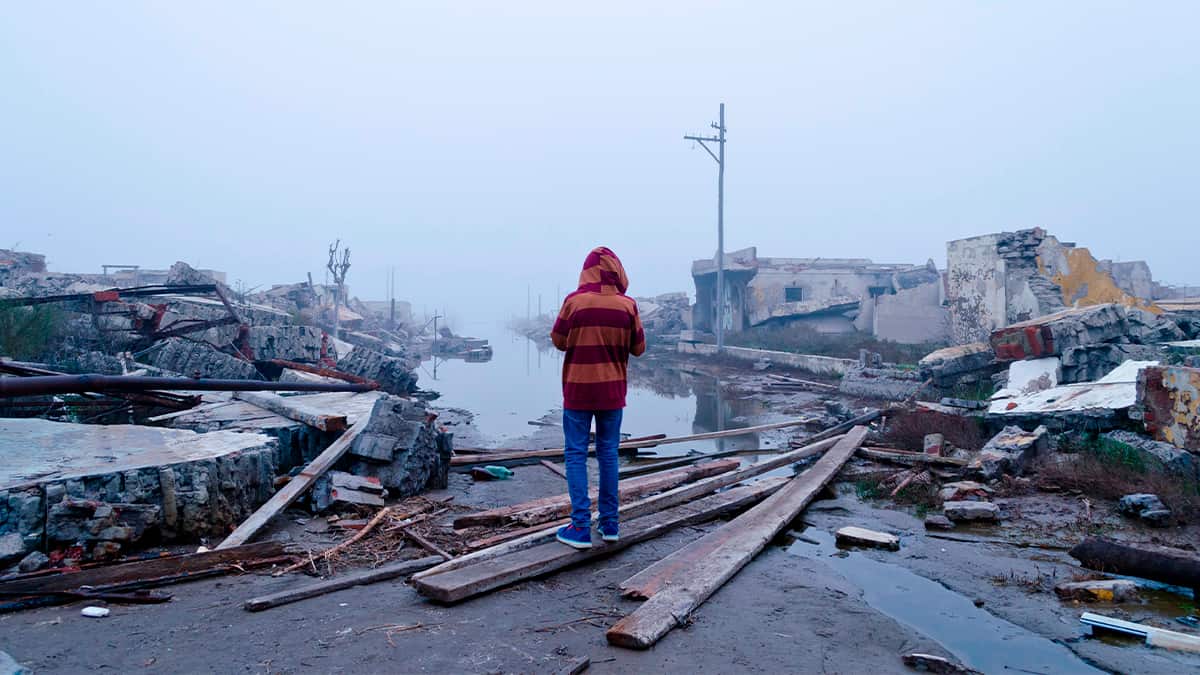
[398,569]
[750,532]
[642,507]
[296,487]
[861,536]
[173,568]
[471,580]
[558,469]
[549,508]
[654,467]
[293,410]
[906,457]
[631,444]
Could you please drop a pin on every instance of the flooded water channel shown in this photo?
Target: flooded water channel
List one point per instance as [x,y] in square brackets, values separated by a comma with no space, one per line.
[522,384]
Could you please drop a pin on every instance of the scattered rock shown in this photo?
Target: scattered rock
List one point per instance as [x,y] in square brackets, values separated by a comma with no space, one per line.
[95,612]
[938,522]
[1008,452]
[12,547]
[858,536]
[1148,507]
[1104,590]
[965,511]
[33,562]
[964,491]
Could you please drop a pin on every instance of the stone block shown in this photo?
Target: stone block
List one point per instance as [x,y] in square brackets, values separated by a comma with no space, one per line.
[1053,334]
[946,366]
[1008,452]
[938,522]
[967,511]
[33,562]
[394,374]
[1148,507]
[12,548]
[418,460]
[890,384]
[290,343]
[1159,453]
[196,359]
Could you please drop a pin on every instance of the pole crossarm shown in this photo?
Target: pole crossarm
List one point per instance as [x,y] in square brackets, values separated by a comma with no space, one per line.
[703,140]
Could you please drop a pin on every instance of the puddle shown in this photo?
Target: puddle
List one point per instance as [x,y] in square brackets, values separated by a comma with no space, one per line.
[978,638]
[522,383]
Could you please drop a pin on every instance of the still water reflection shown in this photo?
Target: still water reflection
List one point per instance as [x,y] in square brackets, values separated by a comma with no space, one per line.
[522,383]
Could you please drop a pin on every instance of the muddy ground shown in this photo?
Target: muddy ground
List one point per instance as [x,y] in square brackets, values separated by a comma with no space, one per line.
[800,606]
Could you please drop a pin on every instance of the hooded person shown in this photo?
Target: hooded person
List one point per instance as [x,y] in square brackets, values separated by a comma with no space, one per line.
[598,328]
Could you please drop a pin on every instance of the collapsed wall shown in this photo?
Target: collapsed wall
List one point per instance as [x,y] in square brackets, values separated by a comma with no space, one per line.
[996,280]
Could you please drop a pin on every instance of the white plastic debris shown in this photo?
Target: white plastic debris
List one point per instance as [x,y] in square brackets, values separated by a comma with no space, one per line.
[94,612]
[202,549]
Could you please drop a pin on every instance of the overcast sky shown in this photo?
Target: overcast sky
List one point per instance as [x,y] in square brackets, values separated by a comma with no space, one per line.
[483,146]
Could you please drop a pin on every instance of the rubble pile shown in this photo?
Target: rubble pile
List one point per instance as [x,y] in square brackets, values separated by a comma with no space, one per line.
[666,314]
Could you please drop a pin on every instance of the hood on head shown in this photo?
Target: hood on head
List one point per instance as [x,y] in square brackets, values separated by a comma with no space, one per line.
[603,273]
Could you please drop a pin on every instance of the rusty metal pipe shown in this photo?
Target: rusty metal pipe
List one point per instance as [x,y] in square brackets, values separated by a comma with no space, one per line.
[79,384]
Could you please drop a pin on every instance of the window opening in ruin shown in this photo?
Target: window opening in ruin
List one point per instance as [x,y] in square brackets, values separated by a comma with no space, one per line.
[793,294]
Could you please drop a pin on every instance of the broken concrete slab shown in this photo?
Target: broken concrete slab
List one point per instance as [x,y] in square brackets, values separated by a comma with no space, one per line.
[289,343]
[197,359]
[1008,452]
[189,484]
[1104,398]
[1159,453]
[33,562]
[935,521]
[1168,398]
[1092,362]
[1102,590]
[1031,376]
[401,448]
[395,375]
[1148,507]
[889,384]
[946,366]
[968,511]
[1052,334]
[860,536]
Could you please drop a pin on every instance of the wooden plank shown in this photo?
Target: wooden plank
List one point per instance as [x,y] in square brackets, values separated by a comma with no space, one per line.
[652,579]
[861,536]
[383,573]
[679,495]
[652,467]
[180,413]
[631,444]
[556,468]
[905,457]
[293,410]
[751,531]
[136,571]
[549,508]
[471,580]
[296,487]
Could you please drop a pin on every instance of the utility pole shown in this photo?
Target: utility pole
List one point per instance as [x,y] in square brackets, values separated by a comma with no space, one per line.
[719,156]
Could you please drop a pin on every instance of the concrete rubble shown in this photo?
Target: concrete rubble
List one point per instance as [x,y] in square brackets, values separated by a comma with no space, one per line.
[1009,452]
[1149,508]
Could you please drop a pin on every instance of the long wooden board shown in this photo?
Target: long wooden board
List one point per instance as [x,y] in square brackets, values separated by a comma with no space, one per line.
[688,587]
[296,487]
[293,410]
[549,508]
[497,457]
[471,580]
[176,567]
[658,502]
[654,467]
[383,573]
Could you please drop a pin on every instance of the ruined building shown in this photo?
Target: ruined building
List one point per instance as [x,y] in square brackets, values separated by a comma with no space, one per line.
[902,303]
[996,280]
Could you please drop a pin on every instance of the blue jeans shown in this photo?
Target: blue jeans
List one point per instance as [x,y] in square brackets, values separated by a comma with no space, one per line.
[577,426]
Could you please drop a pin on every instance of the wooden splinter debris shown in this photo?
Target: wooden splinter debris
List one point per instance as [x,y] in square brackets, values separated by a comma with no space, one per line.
[747,535]
[860,536]
[383,513]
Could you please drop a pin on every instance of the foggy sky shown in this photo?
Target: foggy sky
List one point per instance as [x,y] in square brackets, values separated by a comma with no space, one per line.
[483,146]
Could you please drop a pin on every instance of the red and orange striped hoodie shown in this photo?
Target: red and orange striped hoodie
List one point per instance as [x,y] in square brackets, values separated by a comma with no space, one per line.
[598,328]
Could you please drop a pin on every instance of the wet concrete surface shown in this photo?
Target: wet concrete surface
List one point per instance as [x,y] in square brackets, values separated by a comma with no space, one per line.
[797,607]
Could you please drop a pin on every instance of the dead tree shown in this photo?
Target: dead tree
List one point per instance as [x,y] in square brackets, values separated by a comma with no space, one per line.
[338,268]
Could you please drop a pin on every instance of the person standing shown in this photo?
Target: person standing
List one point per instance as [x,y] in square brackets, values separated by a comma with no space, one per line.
[598,328]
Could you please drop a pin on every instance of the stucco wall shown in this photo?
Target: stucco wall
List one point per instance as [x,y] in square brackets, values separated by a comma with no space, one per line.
[912,316]
[975,288]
